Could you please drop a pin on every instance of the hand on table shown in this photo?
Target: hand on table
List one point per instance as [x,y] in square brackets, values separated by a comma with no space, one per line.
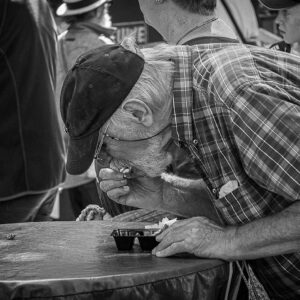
[92,213]
[198,236]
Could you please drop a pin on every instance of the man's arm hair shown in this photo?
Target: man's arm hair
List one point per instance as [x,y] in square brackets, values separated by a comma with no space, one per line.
[270,236]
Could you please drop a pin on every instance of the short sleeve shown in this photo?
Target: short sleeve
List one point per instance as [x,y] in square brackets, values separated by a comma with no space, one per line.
[266,126]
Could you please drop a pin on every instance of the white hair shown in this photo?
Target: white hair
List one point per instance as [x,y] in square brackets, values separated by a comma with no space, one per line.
[154,86]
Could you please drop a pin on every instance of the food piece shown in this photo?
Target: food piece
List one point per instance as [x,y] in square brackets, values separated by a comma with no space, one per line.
[161,226]
[10,236]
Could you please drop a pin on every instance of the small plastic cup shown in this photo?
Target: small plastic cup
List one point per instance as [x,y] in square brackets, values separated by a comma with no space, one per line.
[124,242]
[147,243]
[124,238]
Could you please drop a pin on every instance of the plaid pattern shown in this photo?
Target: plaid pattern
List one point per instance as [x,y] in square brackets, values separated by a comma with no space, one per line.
[237,113]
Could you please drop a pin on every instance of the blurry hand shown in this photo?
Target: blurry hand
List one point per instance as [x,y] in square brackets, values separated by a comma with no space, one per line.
[198,236]
[92,213]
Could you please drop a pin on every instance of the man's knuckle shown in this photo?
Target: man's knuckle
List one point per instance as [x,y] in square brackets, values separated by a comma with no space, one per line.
[102,186]
[101,173]
[173,247]
[111,195]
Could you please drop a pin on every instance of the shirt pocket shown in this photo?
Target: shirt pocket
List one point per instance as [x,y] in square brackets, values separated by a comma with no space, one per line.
[247,203]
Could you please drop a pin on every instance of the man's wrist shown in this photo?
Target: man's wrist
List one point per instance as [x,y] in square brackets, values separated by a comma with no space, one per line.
[226,247]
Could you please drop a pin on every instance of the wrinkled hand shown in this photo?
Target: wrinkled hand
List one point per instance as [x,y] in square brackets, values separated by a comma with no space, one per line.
[92,213]
[198,236]
[142,192]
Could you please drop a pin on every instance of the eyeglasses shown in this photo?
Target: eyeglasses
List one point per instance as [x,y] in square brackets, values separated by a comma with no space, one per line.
[103,135]
[100,142]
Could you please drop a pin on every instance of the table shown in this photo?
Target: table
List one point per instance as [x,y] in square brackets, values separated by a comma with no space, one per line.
[79,260]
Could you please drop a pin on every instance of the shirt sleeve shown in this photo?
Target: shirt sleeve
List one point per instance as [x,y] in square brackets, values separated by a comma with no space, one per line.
[266,127]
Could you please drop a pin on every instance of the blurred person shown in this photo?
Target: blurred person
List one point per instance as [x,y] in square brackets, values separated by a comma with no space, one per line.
[234,109]
[240,15]
[31,148]
[178,24]
[88,26]
[288,22]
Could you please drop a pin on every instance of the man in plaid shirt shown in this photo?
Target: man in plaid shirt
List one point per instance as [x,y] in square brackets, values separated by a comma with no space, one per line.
[235,109]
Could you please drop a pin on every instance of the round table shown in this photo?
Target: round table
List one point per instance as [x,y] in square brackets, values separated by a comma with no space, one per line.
[79,260]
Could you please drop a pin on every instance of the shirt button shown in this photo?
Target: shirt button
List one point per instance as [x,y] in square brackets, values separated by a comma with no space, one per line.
[195,142]
[214,191]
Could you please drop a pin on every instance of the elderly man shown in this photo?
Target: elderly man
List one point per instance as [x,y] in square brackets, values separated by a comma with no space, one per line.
[235,109]
[183,22]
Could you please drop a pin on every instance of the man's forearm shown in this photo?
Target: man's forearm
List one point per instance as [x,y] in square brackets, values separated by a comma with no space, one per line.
[269,236]
[188,198]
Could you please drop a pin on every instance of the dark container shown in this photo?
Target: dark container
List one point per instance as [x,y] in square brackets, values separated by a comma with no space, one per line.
[124,238]
[147,243]
[124,242]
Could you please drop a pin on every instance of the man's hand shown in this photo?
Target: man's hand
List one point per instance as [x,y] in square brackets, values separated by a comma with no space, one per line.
[179,196]
[142,192]
[198,236]
[277,234]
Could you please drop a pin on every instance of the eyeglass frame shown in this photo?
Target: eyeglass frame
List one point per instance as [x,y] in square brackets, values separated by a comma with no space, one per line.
[105,134]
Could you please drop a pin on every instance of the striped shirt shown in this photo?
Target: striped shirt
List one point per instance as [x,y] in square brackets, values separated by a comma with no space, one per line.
[237,113]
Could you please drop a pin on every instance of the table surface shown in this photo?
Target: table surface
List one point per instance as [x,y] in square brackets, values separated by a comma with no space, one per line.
[59,258]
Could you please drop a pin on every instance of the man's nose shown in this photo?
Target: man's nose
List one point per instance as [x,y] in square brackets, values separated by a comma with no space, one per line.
[279,18]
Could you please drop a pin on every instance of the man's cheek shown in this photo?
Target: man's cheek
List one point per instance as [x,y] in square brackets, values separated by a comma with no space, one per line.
[129,152]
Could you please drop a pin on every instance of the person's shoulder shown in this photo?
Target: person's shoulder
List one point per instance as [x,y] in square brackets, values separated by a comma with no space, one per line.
[227,58]
[223,67]
[84,39]
[241,58]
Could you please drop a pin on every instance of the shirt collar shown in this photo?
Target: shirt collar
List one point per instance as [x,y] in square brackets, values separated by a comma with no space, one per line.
[182,96]
[217,28]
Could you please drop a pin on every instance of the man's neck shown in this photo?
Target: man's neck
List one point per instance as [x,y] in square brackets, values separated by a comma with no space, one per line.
[183,24]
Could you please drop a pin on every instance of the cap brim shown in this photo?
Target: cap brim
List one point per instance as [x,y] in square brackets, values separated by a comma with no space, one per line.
[63,10]
[81,154]
[277,5]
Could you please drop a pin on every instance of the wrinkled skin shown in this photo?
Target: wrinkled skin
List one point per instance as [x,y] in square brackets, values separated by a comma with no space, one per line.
[199,236]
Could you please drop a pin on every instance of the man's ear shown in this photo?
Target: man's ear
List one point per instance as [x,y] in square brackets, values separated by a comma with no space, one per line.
[140,112]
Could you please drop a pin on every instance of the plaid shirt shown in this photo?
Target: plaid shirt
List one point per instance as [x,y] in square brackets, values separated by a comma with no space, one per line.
[237,112]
